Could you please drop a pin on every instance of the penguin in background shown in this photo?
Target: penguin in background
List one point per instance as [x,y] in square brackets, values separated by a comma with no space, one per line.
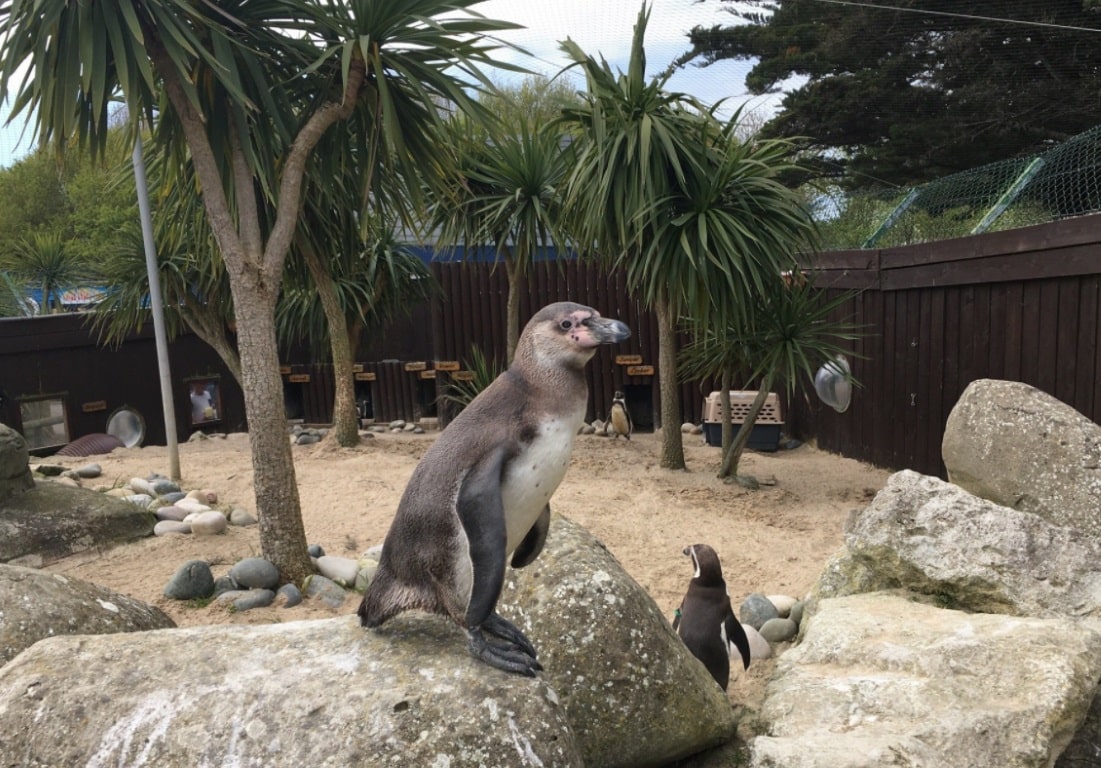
[705,620]
[619,420]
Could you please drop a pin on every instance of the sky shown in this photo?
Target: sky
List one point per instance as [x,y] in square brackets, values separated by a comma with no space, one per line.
[600,28]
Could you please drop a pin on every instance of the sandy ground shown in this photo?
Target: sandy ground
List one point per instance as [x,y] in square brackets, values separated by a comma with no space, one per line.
[774,540]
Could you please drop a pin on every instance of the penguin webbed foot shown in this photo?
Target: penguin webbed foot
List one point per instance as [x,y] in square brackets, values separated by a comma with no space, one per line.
[509,659]
[500,627]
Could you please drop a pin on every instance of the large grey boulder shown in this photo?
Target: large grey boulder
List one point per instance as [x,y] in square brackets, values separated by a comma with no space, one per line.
[930,537]
[879,680]
[1019,447]
[35,604]
[52,521]
[634,694]
[308,693]
[15,471]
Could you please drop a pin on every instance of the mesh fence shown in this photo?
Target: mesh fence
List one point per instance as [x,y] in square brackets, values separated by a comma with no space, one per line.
[1062,182]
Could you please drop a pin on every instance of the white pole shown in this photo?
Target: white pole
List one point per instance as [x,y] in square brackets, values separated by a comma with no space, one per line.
[157,306]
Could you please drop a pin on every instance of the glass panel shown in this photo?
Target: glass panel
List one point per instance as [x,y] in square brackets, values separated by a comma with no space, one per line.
[44,423]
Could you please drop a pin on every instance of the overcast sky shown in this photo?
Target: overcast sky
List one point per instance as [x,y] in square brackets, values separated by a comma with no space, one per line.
[601,29]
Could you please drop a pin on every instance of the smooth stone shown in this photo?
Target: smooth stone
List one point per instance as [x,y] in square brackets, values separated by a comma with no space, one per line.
[192,580]
[173,497]
[241,517]
[342,570]
[68,481]
[796,614]
[224,584]
[141,485]
[307,439]
[170,513]
[254,598]
[208,496]
[756,610]
[255,573]
[167,527]
[687,428]
[365,575]
[141,499]
[409,428]
[783,604]
[209,523]
[375,553]
[315,550]
[49,470]
[192,505]
[118,493]
[588,429]
[326,590]
[162,486]
[397,424]
[231,594]
[759,649]
[779,630]
[88,471]
[288,596]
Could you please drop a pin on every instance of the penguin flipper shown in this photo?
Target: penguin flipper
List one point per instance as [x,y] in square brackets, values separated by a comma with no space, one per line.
[481,512]
[736,636]
[533,542]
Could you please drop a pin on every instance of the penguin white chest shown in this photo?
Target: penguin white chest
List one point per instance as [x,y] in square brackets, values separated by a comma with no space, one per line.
[533,476]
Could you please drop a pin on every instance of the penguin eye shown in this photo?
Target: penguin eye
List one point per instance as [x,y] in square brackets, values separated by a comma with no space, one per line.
[565,325]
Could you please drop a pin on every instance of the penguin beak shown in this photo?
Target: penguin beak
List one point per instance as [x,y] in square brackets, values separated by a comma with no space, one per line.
[605,330]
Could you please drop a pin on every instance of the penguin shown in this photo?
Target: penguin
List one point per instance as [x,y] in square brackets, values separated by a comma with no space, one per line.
[705,620]
[620,417]
[481,493]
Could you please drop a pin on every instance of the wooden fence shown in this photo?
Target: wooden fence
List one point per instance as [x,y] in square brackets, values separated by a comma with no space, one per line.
[1023,305]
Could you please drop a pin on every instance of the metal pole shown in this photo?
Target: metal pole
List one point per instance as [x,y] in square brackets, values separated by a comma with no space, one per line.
[157,305]
[1009,195]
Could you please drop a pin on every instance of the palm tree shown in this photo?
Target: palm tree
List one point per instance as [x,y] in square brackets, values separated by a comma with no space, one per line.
[510,192]
[43,260]
[245,91]
[790,330]
[13,297]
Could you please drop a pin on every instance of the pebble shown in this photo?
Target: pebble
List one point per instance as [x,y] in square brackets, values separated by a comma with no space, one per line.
[327,591]
[88,471]
[796,614]
[192,580]
[170,513]
[224,584]
[255,573]
[307,439]
[192,505]
[161,486]
[756,610]
[397,424]
[759,649]
[203,496]
[374,553]
[587,429]
[779,630]
[342,570]
[209,523]
[119,493]
[167,527]
[68,481]
[366,573]
[141,485]
[315,550]
[241,517]
[141,499]
[686,428]
[254,598]
[49,470]
[172,498]
[783,604]
[288,596]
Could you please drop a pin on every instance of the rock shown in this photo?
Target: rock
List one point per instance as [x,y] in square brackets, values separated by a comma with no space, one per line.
[687,428]
[588,429]
[634,693]
[49,470]
[367,571]
[172,498]
[325,590]
[142,500]
[397,424]
[140,485]
[307,439]
[170,513]
[315,550]
[170,527]
[255,573]
[88,471]
[796,614]
[53,521]
[342,570]
[224,584]
[241,518]
[209,523]
[759,649]
[254,598]
[783,604]
[192,580]
[933,538]
[756,609]
[779,630]
[162,485]
[312,693]
[35,604]
[65,480]
[993,437]
[882,680]
[288,596]
[192,504]
[197,437]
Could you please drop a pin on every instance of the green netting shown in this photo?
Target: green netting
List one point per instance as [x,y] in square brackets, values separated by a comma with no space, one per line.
[1062,182]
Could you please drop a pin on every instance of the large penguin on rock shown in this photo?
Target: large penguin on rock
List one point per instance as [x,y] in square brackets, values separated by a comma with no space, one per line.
[481,493]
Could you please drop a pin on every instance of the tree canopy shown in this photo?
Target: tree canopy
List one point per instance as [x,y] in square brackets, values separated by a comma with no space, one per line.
[901,92]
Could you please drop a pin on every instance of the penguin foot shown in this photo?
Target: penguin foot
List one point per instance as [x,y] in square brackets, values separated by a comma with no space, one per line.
[507,659]
[501,627]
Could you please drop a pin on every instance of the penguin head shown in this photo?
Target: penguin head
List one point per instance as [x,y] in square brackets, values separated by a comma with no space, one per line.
[568,334]
[706,564]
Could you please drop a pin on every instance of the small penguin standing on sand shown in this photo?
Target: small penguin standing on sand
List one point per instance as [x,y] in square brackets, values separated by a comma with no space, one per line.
[705,621]
[481,493]
[620,418]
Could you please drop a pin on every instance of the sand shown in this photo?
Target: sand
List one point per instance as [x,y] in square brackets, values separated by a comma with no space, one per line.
[774,540]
